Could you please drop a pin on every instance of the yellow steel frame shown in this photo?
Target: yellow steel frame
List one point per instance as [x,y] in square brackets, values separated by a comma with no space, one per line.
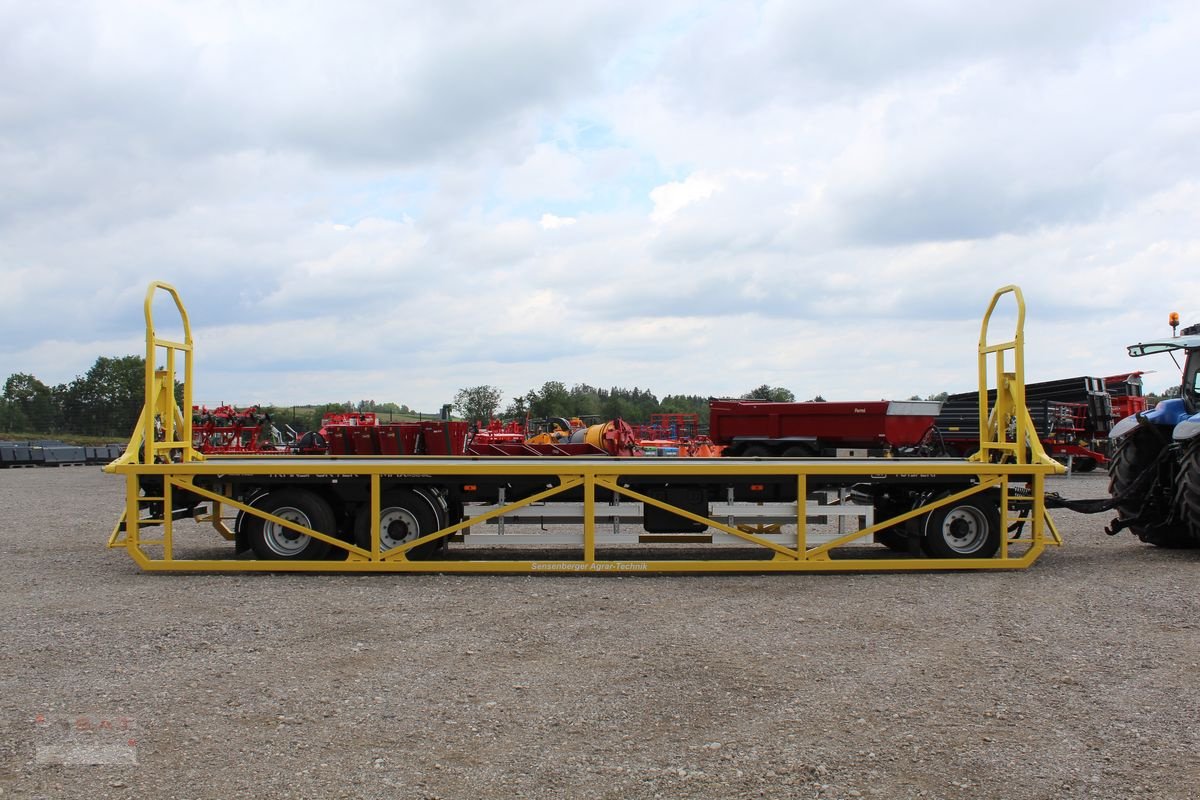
[1010,461]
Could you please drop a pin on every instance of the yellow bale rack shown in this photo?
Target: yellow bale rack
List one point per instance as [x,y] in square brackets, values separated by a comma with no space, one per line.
[161,461]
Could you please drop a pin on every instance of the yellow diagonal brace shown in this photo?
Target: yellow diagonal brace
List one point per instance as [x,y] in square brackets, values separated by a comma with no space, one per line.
[117,539]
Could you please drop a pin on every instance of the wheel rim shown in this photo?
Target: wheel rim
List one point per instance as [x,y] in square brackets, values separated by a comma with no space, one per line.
[964,529]
[397,526]
[283,541]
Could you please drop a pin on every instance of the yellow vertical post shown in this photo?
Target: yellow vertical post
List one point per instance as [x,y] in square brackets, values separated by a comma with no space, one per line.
[376,502]
[802,515]
[166,393]
[984,421]
[1024,433]
[131,512]
[1004,486]
[1037,508]
[589,517]
[168,520]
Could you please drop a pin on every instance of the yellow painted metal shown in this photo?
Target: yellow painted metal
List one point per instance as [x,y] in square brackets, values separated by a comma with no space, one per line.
[164,431]
[1010,459]
[1009,414]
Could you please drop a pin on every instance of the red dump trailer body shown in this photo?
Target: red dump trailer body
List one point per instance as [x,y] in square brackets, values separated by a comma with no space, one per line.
[764,428]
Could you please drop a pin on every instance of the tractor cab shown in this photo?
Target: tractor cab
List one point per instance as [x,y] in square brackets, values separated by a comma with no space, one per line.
[1180,413]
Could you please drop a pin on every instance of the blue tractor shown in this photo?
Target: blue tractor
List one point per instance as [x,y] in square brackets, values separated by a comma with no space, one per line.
[1154,473]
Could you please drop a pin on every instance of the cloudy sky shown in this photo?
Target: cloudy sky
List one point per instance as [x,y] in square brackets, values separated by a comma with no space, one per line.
[392,201]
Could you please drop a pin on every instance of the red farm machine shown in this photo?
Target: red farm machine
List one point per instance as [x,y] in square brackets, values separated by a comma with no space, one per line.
[757,428]
[227,429]
[1072,417]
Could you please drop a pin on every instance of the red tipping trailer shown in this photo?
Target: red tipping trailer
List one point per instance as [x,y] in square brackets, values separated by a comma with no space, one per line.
[799,430]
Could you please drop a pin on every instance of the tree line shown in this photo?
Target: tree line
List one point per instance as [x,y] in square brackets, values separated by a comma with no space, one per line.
[105,402]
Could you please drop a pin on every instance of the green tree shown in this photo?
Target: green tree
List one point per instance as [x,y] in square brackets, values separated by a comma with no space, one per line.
[552,400]
[585,400]
[773,393]
[478,403]
[618,406]
[32,405]
[108,400]
[686,404]
[517,408]
[318,413]
[12,418]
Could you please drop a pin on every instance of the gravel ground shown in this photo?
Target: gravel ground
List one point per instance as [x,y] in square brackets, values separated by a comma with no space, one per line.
[1075,678]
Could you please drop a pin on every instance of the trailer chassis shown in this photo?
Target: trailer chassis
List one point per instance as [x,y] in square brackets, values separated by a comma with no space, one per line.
[713,515]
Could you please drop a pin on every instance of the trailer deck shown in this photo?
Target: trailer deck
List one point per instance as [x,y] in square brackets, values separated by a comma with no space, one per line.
[777,508]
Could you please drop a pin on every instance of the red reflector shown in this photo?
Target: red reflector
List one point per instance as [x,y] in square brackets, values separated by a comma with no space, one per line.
[469,487]
[756,487]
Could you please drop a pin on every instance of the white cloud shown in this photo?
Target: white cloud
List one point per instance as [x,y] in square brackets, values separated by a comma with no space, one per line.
[670,198]
[552,221]
[395,202]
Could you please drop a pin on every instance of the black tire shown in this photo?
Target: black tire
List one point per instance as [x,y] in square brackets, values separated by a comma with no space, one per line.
[441,509]
[894,539]
[798,451]
[757,451]
[274,542]
[1083,464]
[1187,499]
[897,538]
[969,528]
[1135,454]
[404,515]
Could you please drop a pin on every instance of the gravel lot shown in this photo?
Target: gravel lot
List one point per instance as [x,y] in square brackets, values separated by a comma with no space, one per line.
[1076,678]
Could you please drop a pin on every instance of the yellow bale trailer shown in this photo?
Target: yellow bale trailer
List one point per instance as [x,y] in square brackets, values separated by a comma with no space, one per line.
[188,511]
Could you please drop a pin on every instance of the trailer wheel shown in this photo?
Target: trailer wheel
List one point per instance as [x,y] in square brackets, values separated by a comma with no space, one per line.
[1134,456]
[757,451]
[893,539]
[271,541]
[1187,499]
[404,515]
[969,528]
[897,538]
[1084,464]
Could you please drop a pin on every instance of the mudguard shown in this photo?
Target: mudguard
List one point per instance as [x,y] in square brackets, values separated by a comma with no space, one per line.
[1168,413]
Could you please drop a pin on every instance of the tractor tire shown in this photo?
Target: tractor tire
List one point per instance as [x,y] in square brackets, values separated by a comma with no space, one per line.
[798,451]
[273,542]
[1187,499]
[404,515]
[757,451]
[969,528]
[1135,454]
